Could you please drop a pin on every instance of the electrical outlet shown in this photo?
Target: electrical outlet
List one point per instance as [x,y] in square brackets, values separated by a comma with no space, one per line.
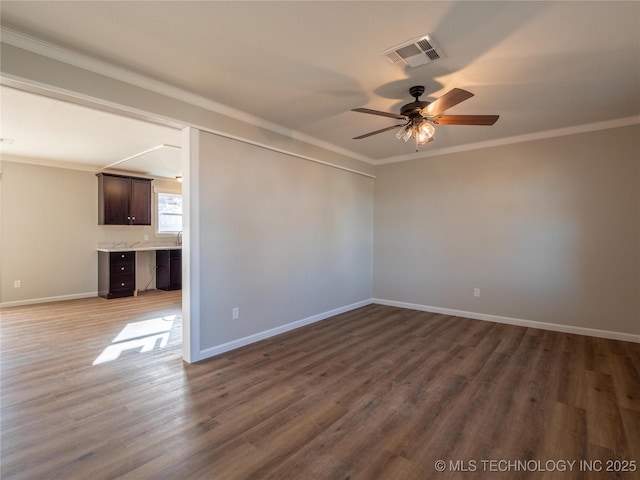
[17,284]
[476,292]
[235,313]
[146,238]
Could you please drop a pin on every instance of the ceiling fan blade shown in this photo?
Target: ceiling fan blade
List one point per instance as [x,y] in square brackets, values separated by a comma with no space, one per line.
[466,119]
[378,112]
[445,102]
[377,131]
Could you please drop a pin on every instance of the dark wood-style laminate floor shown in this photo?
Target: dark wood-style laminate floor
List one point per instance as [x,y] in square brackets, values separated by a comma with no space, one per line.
[376,393]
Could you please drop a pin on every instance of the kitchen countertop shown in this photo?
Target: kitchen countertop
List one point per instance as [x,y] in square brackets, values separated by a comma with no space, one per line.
[139,248]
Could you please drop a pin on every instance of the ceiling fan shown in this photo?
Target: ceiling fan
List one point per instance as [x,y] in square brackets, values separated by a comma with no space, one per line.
[421,116]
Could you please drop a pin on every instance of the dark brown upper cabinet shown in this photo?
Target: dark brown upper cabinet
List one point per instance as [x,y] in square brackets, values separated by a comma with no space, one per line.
[123,200]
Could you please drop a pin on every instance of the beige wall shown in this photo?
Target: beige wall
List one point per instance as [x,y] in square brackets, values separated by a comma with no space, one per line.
[49,233]
[49,218]
[280,238]
[548,230]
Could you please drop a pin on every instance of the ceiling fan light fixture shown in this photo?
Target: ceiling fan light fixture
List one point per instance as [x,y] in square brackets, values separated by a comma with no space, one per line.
[426,129]
[405,133]
[423,132]
[421,138]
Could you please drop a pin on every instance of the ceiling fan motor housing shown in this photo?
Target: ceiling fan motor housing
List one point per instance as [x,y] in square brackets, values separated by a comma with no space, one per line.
[412,109]
[416,91]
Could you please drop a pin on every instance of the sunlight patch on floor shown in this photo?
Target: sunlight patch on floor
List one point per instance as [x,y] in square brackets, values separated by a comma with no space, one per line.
[143,335]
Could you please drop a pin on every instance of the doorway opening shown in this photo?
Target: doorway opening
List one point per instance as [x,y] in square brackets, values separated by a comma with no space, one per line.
[58,142]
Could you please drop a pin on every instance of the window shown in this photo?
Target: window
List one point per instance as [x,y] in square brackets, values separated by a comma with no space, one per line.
[169,213]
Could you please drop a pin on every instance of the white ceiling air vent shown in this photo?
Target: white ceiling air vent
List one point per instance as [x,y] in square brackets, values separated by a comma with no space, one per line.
[413,53]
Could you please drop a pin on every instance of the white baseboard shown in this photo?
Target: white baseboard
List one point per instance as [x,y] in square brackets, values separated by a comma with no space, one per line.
[590,332]
[33,301]
[241,342]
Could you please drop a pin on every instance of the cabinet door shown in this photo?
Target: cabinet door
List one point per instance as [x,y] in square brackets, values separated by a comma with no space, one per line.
[168,269]
[140,202]
[115,204]
[175,267]
[163,274]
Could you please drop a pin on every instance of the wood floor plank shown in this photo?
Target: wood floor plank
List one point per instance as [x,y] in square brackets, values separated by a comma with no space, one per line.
[375,393]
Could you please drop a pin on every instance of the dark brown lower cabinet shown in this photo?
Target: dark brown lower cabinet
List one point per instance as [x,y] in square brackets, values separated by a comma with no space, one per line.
[116,274]
[169,269]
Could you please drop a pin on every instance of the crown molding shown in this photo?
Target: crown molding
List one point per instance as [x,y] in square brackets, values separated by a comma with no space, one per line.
[558,132]
[46,162]
[70,57]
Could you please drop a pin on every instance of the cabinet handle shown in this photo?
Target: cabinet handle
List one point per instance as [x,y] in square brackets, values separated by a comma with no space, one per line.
[123,255]
[133,218]
[122,268]
[123,284]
